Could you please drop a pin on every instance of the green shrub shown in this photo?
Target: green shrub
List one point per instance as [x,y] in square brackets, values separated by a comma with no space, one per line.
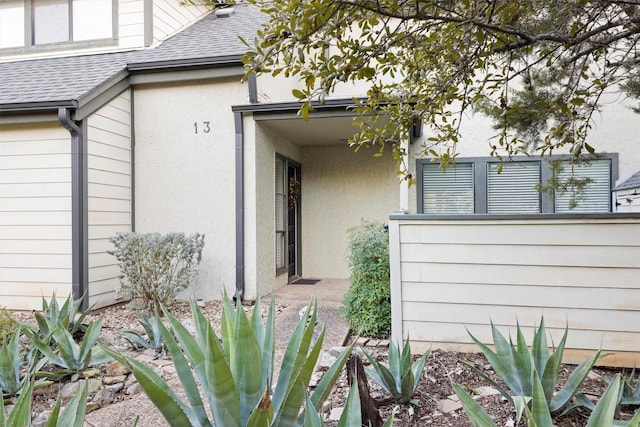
[157,267]
[7,324]
[367,303]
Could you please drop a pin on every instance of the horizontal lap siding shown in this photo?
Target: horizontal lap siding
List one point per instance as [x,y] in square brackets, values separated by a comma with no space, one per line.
[131,23]
[35,215]
[109,193]
[169,16]
[456,275]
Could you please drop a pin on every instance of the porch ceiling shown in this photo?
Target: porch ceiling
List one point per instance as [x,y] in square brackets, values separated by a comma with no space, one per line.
[325,130]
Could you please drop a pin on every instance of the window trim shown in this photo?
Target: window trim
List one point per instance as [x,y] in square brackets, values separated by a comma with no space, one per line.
[283,267]
[31,48]
[547,205]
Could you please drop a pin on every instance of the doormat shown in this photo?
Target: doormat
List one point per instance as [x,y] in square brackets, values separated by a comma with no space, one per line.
[305,282]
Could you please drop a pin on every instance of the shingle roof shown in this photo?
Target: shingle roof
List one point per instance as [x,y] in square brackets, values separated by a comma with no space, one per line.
[633,182]
[210,37]
[56,79]
[68,79]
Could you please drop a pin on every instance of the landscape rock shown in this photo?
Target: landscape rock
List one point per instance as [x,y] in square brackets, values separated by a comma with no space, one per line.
[114,380]
[116,368]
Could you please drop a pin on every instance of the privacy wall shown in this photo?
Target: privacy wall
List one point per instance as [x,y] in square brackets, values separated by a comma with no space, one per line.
[453,275]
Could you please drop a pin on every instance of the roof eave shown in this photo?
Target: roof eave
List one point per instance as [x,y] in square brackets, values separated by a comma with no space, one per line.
[37,107]
[190,63]
[292,106]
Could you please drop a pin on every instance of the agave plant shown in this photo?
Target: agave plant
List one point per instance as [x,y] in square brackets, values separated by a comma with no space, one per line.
[68,316]
[236,371]
[20,415]
[351,416]
[538,415]
[520,367]
[68,355]
[401,377]
[13,361]
[152,338]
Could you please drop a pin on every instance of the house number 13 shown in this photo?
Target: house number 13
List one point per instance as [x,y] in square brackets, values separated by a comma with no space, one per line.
[201,127]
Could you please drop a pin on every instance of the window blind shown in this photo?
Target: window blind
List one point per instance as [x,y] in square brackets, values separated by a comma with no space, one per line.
[597,194]
[513,190]
[449,192]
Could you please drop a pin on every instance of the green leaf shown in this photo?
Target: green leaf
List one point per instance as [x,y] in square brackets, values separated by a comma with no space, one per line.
[351,416]
[262,415]
[185,375]
[323,389]
[73,414]
[20,415]
[605,409]
[311,416]
[248,365]
[574,382]
[539,405]
[170,405]
[295,354]
[477,415]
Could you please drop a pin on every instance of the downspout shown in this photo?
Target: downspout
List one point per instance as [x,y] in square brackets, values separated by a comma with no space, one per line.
[78,207]
[239,144]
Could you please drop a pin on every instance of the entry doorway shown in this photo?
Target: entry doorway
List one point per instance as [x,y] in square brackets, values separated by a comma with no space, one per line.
[293,220]
[288,217]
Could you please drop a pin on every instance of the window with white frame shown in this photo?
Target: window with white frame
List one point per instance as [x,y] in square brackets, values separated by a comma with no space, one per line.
[25,23]
[488,186]
[281,211]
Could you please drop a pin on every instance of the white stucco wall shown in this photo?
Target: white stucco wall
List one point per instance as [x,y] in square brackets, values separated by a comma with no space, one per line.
[185,180]
[615,129]
[339,189]
[260,265]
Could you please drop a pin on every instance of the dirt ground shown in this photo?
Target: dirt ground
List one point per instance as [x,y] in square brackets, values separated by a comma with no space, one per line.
[441,370]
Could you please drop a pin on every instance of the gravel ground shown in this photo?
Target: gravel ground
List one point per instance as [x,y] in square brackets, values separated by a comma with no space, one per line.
[442,368]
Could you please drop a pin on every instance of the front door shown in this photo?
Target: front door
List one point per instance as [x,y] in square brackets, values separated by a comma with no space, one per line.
[293,219]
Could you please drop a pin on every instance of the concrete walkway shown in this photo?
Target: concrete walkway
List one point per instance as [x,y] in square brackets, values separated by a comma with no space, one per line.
[328,294]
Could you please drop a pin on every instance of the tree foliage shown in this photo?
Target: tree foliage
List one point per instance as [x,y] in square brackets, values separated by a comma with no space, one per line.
[538,68]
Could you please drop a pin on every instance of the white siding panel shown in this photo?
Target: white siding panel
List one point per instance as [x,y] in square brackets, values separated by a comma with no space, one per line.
[35,247]
[109,177]
[109,193]
[112,149]
[110,218]
[170,16]
[20,176]
[29,218]
[34,260]
[110,165]
[555,232]
[39,275]
[525,275]
[27,162]
[38,189]
[35,214]
[131,23]
[109,205]
[582,271]
[35,232]
[583,256]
